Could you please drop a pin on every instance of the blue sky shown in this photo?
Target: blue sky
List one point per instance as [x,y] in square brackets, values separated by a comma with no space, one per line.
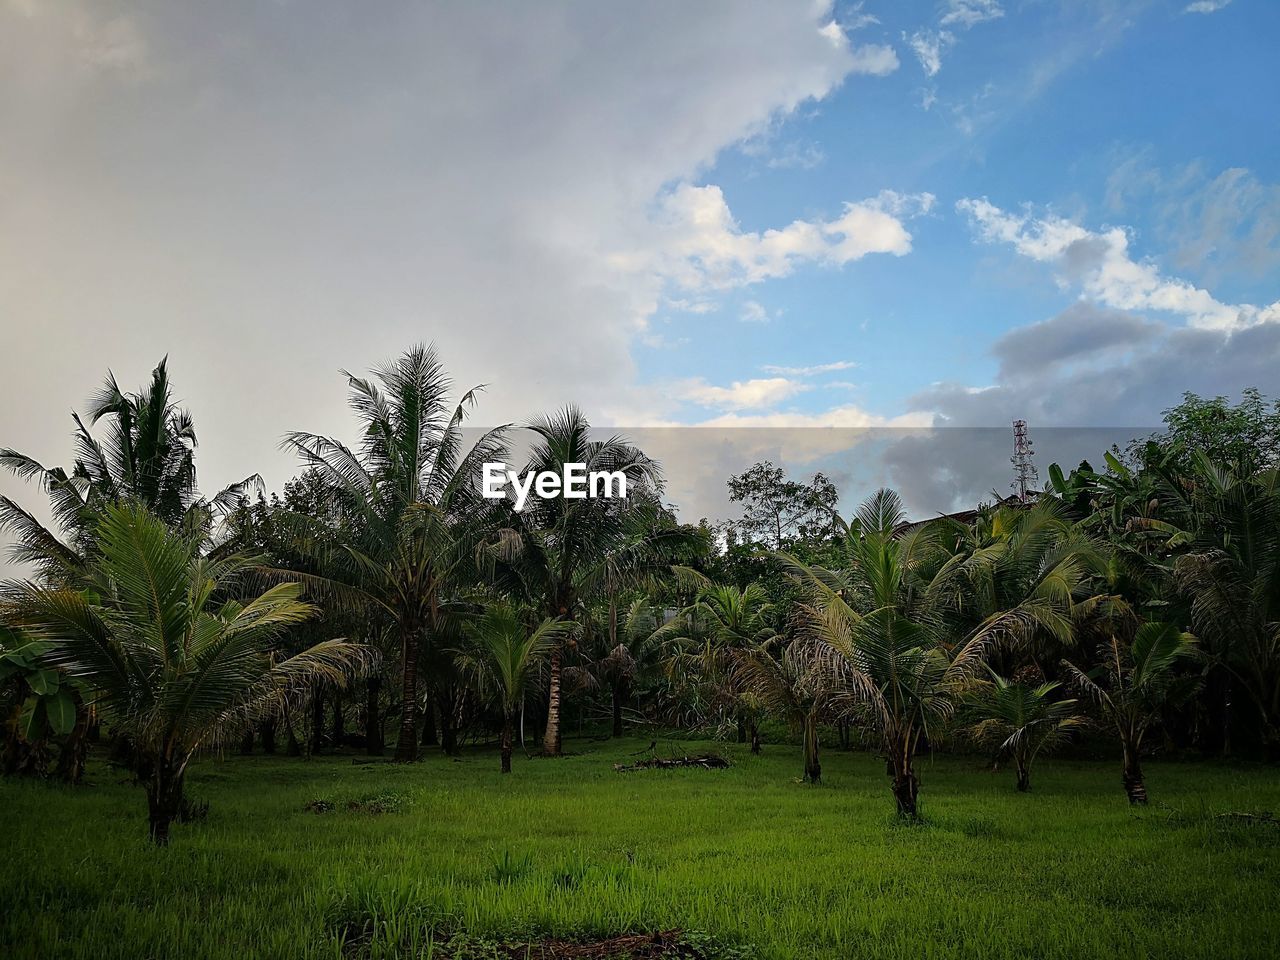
[1076,109]
[733,214]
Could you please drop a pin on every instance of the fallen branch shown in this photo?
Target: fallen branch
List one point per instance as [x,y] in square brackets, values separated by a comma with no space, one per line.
[708,761]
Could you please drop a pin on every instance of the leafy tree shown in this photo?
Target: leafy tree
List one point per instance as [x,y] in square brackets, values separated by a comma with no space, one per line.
[412,506]
[503,655]
[1021,721]
[40,704]
[1137,681]
[776,510]
[627,652]
[171,658]
[1217,429]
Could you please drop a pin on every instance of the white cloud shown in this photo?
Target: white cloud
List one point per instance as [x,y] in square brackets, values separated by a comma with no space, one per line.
[846,416]
[874,59]
[1101,266]
[740,395]
[857,20]
[928,45]
[753,312]
[696,244]
[810,371]
[966,13]
[1205,6]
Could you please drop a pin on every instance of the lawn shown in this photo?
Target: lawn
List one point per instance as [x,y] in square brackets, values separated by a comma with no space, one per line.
[746,858]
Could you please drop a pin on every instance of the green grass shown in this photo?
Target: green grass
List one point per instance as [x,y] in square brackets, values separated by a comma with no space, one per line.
[568,847]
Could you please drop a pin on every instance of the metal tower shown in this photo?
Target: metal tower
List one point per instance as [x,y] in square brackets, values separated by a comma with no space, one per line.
[1025,475]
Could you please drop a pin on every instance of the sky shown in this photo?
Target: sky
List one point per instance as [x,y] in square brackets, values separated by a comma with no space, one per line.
[859,237]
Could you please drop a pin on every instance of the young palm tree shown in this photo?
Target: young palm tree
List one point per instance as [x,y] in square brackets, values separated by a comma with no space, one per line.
[625,651]
[505,653]
[1231,522]
[788,685]
[1021,721]
[1140,679]
[413,507]
[898,646]
[705,638]
[170,657]
[561,553]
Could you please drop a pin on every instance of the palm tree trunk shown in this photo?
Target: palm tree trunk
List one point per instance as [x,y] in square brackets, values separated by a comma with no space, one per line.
[164,797]
[407,744]
[812,766]
[373,744]
[1132,779]
[755,737]
[1024,775]
[906,786]
[508,734]
[742,728]
[338,732]
[551,737]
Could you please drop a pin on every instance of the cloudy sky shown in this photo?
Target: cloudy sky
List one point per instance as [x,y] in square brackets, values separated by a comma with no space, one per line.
[759,215]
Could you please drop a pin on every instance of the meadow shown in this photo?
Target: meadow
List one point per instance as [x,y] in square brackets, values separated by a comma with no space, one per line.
[326,857]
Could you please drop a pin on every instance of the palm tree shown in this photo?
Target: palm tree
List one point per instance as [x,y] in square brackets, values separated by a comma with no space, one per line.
[1021,721]
[1140,679]
[505,653]
[560,552]
[1230,521]
[788,685]
[898,647]
[413,507]
[147,456]
[625,653]
[706,637]
[170,656]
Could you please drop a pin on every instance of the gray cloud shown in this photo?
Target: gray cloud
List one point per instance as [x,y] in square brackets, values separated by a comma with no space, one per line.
[1082,332]
[272,191]
[1076,410]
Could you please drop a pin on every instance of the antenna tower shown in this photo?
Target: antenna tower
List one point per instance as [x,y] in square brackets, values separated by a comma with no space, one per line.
[1025,475]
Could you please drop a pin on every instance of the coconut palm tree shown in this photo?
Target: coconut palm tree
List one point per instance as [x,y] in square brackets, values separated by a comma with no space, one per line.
[788,684]
[704,639]
[171,657]
[1027,568]
[146,455]
[622,650]
[1021,721]
[897,645]
[505,651]
[1230,522]
[1138,680]
[412,505]
[562,552]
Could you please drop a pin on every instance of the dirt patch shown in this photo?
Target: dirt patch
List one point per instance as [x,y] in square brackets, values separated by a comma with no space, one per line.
[666,945]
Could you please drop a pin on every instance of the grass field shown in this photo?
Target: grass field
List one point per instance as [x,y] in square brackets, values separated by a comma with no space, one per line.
[745,857]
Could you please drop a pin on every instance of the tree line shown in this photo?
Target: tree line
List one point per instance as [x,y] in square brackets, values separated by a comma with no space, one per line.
[379,589]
